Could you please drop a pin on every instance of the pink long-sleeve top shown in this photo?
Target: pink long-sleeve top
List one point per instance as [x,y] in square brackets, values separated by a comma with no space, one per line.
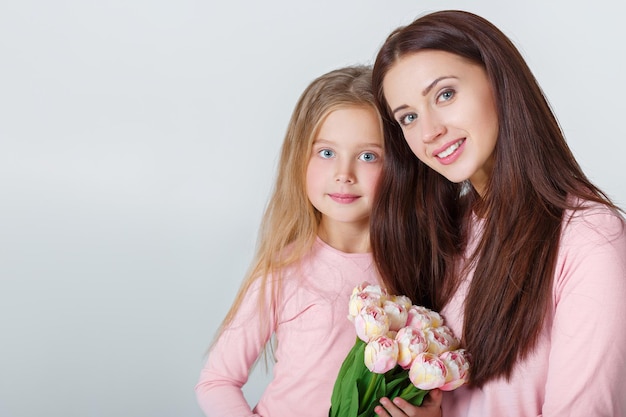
[314,336]
[578,368]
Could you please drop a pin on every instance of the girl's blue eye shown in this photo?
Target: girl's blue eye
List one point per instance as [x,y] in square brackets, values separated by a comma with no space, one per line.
[326,153]
[408,119]
[368,157]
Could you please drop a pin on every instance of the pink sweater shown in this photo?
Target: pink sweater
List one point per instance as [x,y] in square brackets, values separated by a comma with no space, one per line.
[314,336]
[578,369]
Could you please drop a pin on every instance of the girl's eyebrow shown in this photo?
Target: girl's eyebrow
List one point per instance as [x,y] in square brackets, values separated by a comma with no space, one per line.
[425,90]
[330,142]
[373,145]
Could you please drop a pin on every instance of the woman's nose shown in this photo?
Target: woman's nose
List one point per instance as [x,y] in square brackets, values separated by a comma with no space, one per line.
[432,128]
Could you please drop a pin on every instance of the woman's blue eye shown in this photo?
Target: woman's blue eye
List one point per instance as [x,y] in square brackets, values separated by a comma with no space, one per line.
[407,119]
[326,153]
[446,95]
[368,157]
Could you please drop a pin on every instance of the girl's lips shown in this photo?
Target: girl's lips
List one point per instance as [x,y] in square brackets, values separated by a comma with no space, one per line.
[343,198]
[450,152]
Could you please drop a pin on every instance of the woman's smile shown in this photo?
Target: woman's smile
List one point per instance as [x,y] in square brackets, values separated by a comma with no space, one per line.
[449,150]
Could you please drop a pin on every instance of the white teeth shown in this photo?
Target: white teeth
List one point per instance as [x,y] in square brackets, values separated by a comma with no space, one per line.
[449,151]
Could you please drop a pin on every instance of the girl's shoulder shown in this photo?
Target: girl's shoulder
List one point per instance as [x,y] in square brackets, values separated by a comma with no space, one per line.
[318,258]
[322,257]
[326,269]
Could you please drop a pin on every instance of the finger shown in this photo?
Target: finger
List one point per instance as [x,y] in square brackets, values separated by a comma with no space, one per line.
[381,411]
[405,408]
[430,407]
[388,409]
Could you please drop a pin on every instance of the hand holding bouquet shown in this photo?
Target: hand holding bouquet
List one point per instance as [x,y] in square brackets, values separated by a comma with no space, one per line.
[401,350]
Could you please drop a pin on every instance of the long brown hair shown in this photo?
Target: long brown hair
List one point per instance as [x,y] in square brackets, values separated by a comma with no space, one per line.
[420,219]
[290,222]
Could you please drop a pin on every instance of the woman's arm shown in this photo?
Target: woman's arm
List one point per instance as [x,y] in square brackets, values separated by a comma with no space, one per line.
[587,364]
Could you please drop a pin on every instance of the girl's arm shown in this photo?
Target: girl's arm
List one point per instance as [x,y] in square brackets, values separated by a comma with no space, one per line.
[587,364]
[230,360]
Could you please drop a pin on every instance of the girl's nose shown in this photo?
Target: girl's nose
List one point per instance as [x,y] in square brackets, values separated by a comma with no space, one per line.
[345,173]
[347,178]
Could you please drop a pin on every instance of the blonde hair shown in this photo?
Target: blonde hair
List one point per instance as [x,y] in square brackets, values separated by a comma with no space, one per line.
[290,222]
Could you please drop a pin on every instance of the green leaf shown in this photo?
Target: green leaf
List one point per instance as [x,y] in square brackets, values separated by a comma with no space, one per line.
[345,388]
[357,391]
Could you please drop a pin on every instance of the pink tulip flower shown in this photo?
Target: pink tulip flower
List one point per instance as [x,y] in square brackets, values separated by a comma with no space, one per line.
[411,342]
[421,318]
[397,315]
[365,295]
[440,339]
[458,369]
[428,371]
[371,322]
[381,354]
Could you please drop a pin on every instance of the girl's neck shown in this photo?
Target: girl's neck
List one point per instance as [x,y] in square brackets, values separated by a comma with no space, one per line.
[348,239]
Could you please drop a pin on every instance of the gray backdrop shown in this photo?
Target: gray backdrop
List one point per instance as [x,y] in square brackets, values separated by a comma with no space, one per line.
[138,145]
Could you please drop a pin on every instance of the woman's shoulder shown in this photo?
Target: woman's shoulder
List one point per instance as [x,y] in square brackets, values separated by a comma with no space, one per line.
[594,223]
[591,265]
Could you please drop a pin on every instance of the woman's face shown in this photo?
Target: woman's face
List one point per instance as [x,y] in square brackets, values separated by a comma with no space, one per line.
[446,109]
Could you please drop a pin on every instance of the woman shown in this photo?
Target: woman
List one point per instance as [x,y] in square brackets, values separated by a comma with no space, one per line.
[484,214]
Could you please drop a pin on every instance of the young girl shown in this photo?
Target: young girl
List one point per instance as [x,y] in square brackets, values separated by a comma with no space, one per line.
[313,250]
[484,214]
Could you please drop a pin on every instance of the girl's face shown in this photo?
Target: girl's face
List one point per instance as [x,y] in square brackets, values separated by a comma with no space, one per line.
[346,160]
[446,109]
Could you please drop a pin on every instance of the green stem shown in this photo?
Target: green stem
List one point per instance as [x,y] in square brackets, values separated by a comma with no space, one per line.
[407,390]
[413,394]
[371,388]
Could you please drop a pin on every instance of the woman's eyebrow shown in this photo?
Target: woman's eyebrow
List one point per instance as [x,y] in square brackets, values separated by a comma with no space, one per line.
[431,85]
[425,90]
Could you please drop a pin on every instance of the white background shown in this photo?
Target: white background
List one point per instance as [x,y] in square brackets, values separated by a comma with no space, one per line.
[138,142]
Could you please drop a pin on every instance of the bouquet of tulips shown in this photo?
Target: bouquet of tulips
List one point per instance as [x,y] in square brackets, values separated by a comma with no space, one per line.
[400,350]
